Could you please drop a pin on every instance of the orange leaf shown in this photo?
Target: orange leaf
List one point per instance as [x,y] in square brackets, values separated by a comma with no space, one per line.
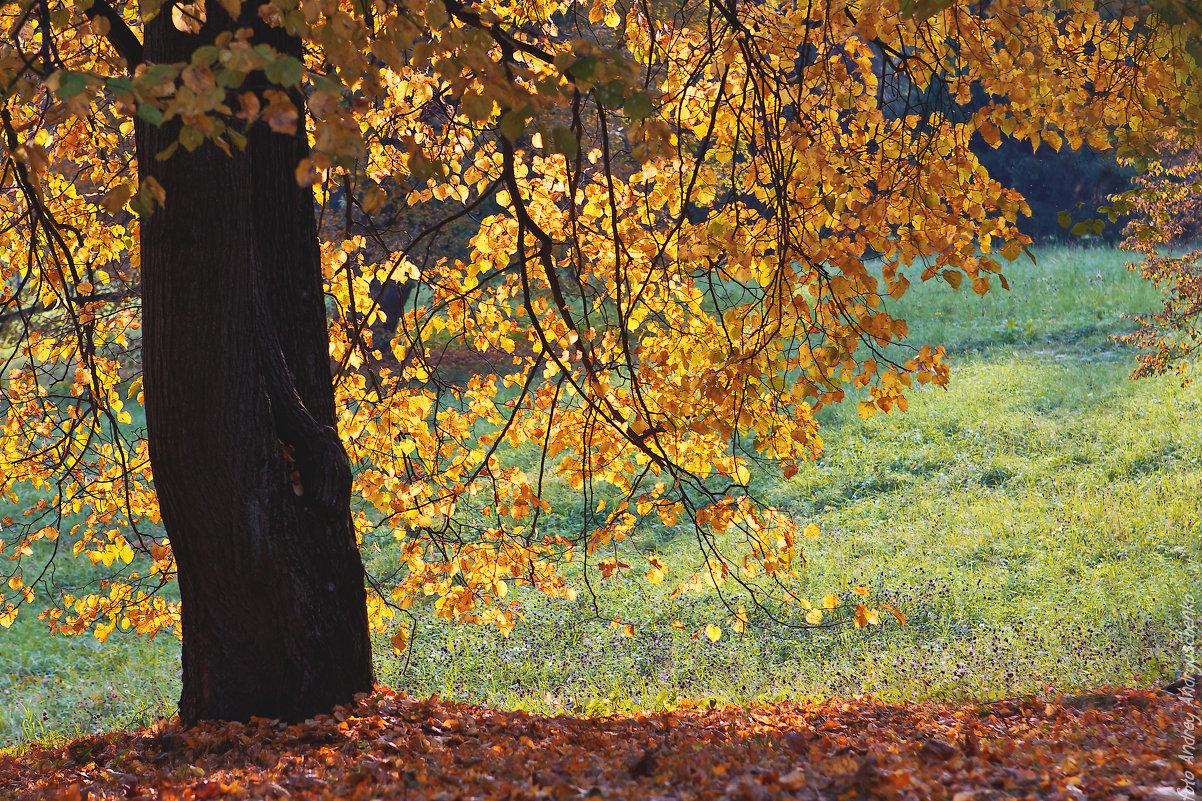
[897,613]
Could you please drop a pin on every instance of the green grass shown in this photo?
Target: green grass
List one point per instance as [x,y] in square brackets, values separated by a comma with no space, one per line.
[65,687]
[1038,523]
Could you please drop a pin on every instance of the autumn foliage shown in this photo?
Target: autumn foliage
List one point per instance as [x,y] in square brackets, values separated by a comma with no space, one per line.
[390,746]
[1167,213]
[697,224]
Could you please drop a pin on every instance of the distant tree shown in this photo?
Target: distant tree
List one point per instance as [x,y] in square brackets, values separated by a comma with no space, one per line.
[684,198]
[1166,219]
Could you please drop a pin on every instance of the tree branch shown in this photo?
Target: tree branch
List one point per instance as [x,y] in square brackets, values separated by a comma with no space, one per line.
[120,35]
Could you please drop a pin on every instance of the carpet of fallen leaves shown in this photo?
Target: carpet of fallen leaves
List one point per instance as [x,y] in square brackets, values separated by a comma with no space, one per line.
[1134,744]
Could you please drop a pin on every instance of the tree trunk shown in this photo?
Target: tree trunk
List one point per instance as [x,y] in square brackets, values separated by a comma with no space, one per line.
[253,483]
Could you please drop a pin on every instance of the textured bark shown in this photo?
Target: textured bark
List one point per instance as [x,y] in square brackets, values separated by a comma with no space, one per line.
[240,413]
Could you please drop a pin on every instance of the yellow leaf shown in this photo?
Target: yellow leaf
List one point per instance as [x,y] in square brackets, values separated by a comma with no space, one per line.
[399,640]
[898,288]
[829,601]
[990,134]
[811,531]
[1013,250]
[866,616]
[117,197]
[714,633]
[306,173]
[610,566]
[157,192]
[814,617]
[657,572]
[860,591]
[374,199]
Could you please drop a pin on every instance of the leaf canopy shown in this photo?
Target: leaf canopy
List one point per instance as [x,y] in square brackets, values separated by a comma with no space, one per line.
[674,230]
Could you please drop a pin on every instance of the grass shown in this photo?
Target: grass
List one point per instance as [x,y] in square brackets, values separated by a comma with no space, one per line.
[62,688]
[1038,523]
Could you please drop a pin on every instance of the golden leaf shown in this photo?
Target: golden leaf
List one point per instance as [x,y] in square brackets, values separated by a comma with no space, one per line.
[865,616]
[114,199]
[897,613]
[399,640]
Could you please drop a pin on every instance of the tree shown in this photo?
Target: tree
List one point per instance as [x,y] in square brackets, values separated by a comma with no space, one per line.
[238,397]
[673,268]
[1164,231]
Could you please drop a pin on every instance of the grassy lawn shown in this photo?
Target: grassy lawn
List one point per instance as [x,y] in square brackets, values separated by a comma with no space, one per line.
[1038,523]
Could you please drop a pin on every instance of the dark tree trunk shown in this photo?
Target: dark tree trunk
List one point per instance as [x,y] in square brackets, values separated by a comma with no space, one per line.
[253,484]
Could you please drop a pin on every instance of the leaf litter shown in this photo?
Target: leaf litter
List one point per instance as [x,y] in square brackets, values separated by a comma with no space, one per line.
[1133,744]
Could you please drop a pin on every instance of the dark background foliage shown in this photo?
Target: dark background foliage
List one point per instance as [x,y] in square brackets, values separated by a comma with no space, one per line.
[1055,181]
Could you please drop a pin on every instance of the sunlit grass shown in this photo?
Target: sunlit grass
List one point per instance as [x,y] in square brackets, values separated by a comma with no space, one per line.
[54,687]
[1038,523]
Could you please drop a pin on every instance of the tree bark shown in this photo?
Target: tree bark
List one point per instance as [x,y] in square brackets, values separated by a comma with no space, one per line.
[253,484]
